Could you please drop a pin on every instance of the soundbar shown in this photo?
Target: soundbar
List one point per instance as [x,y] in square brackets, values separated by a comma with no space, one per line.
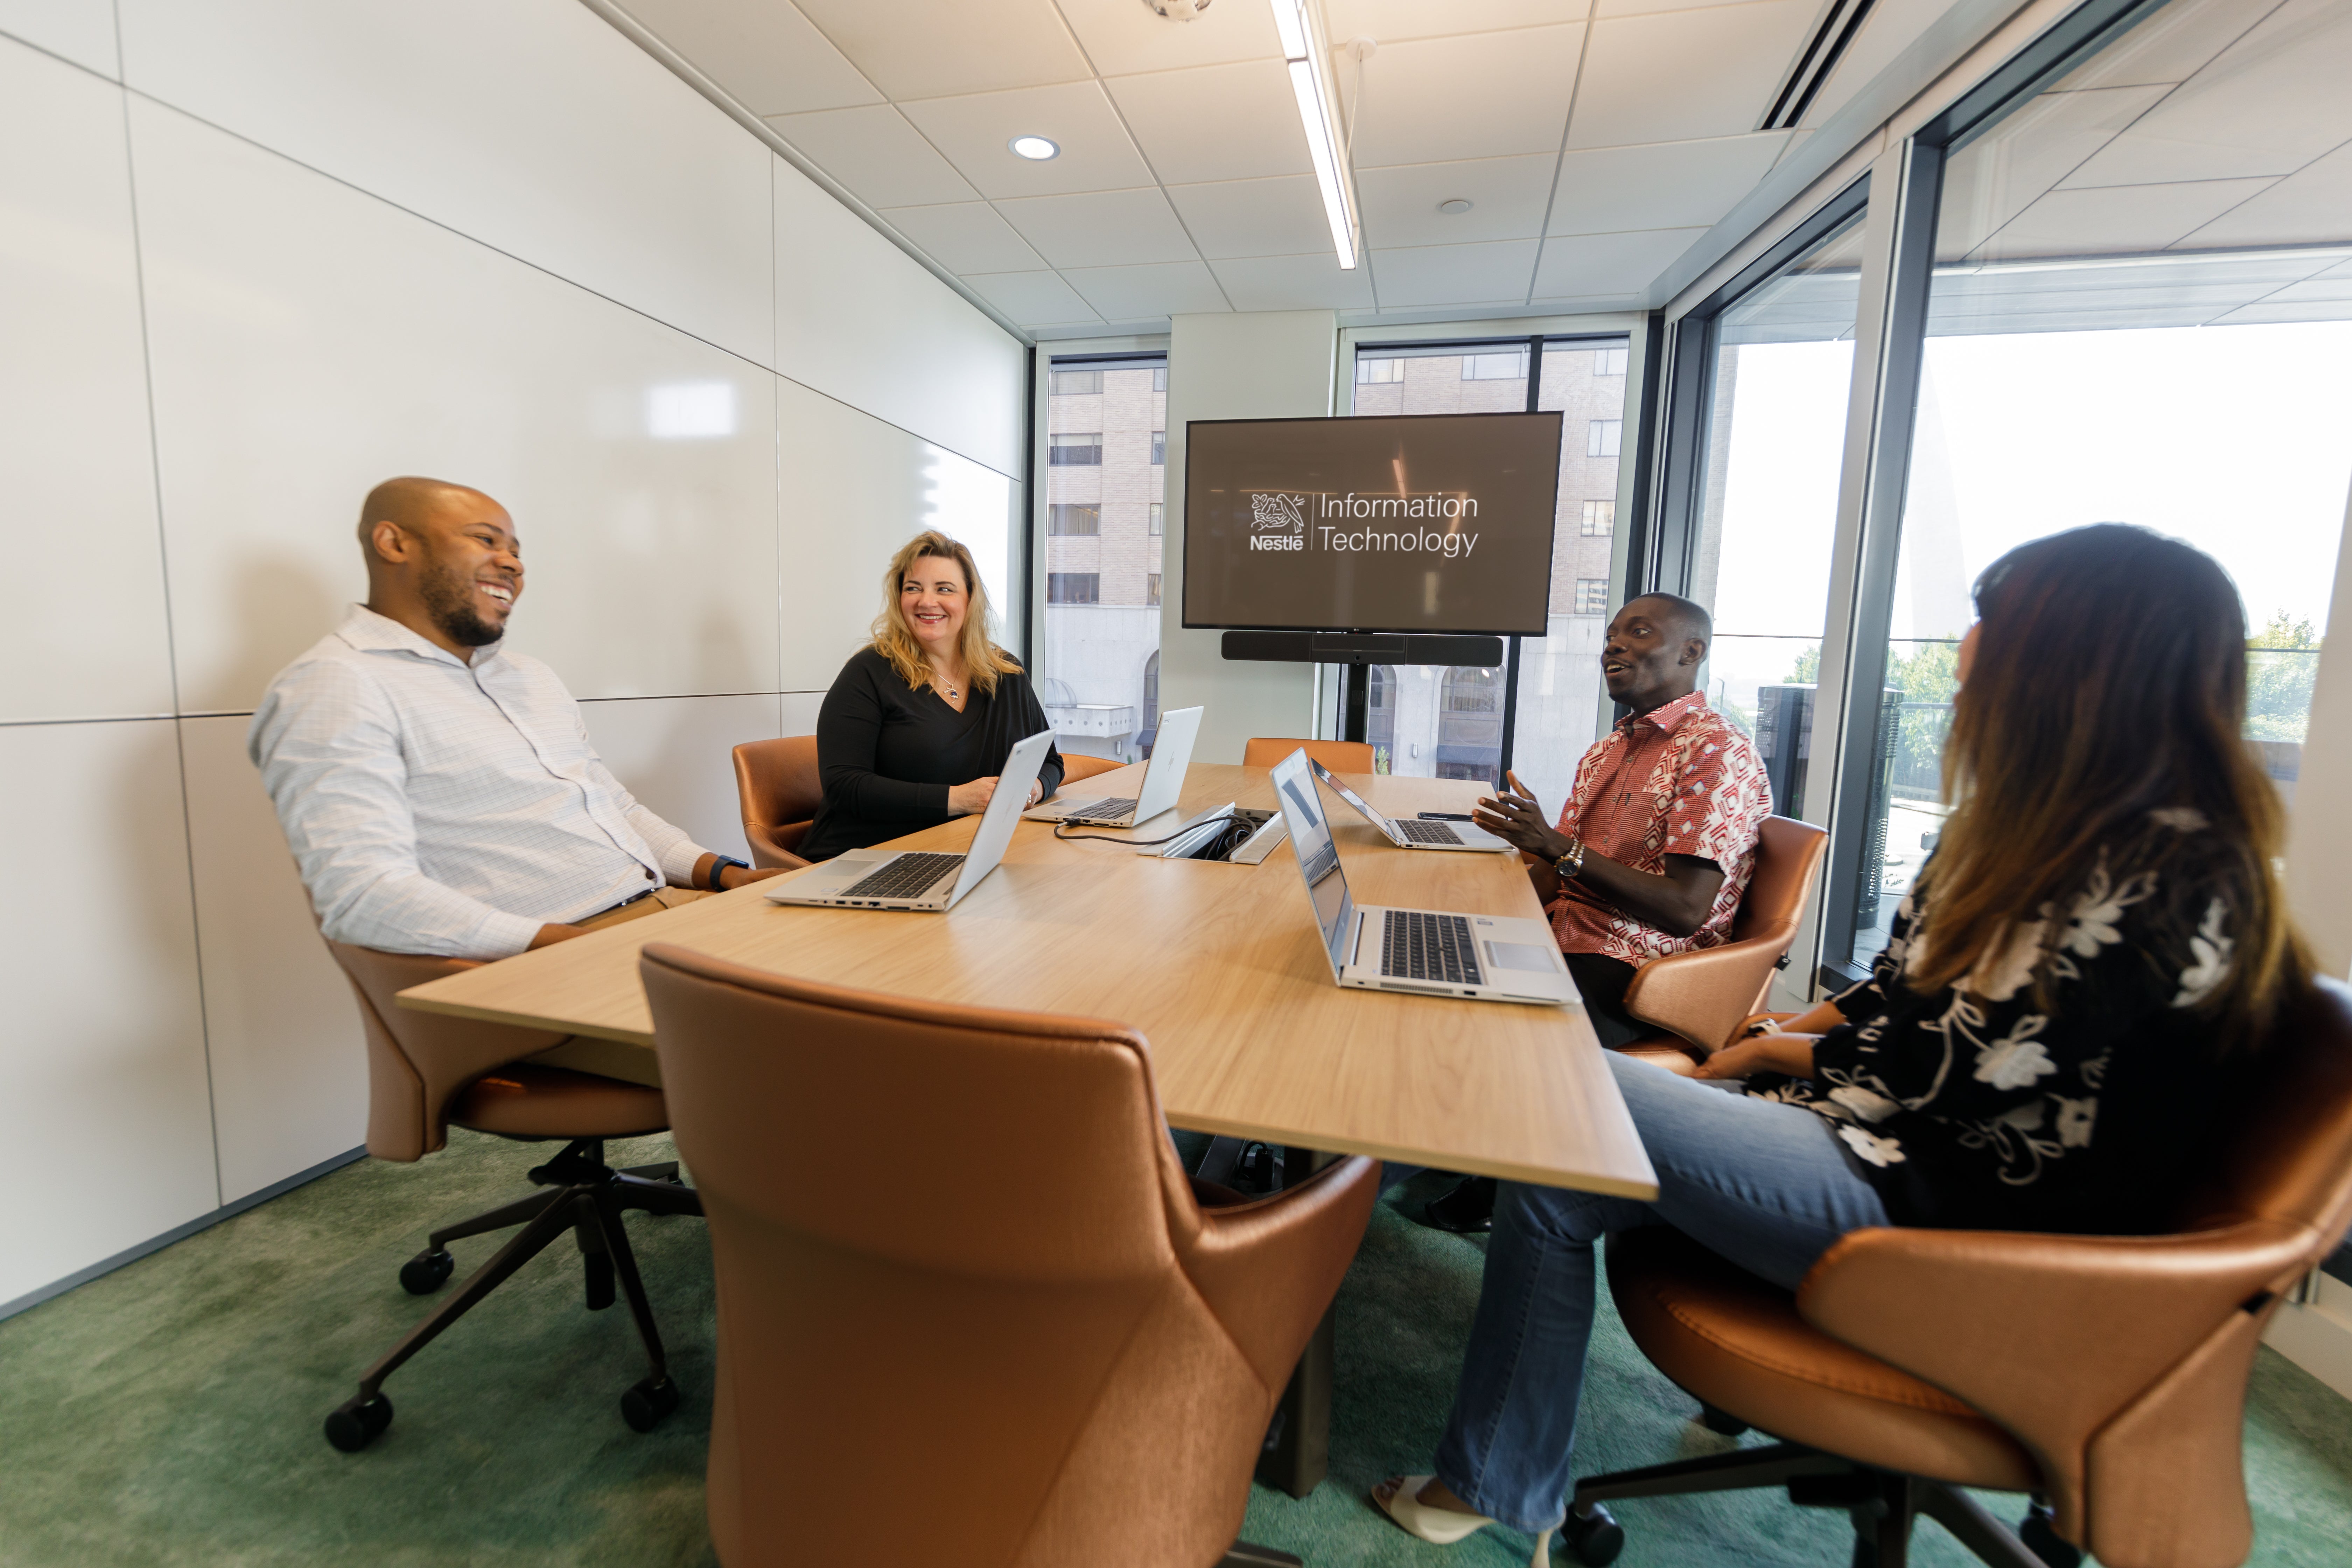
[1363,648]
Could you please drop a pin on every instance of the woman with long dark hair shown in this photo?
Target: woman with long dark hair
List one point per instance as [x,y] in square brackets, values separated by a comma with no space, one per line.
[2088,963]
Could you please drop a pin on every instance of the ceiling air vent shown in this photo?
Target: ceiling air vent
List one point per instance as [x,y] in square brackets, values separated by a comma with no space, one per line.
[1822,51]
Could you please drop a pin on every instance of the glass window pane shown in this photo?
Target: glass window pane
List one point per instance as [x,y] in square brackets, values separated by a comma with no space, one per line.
[2143,360]
[1099,636]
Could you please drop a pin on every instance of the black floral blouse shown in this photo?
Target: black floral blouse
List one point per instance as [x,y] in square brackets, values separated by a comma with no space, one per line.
[1975,1106]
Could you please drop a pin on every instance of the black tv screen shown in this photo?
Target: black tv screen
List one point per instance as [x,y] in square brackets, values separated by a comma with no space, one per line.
[1428,523]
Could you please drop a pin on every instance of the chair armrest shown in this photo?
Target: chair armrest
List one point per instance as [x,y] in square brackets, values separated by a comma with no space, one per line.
[768,853]
[2047,1335]
[1702,995]
[1268,1269]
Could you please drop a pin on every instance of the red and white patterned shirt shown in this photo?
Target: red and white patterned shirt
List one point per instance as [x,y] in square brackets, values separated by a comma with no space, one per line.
[1678,780]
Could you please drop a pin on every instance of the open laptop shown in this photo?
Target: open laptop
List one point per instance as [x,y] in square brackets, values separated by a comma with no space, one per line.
[924,879]
[1408,831]
[1427,952]
[1163,780]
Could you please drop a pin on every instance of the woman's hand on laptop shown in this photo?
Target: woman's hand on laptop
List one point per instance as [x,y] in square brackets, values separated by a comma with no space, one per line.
[964,799]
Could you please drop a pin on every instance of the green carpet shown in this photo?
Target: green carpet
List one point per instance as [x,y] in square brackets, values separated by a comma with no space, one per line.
[168,1414]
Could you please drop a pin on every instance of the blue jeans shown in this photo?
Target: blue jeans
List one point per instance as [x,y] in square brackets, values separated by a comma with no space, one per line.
[1761,1182]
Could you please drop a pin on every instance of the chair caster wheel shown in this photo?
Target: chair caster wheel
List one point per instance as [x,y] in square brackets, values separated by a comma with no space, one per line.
[355,1423]
[1720,1422]
[644,1405]
[428,1271]
[1592,1539]
[2042,1538]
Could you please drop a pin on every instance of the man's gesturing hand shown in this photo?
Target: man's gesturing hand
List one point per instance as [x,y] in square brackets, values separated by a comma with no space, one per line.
[1516,818]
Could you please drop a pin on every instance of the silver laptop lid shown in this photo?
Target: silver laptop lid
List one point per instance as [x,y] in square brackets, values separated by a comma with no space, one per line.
[1351,797]
[1004,813]
[1318,857]
[1171,752]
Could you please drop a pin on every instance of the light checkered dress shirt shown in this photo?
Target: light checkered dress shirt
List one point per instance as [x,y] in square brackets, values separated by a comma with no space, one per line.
[439,807]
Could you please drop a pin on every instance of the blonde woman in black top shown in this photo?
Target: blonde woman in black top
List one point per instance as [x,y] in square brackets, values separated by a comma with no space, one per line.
[919,722]
[2078,983]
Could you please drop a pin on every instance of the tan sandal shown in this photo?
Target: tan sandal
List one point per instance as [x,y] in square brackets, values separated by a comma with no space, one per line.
[1442,1526]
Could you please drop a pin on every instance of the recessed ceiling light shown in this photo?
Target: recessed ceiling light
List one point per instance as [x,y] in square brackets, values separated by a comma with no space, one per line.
[1034,147]
[1454,207]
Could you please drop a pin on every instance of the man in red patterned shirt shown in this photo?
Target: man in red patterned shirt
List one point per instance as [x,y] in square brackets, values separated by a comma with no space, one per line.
[1657,839]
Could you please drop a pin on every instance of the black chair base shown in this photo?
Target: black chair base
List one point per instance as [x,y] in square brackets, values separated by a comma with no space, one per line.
[588,1200]
[1883,1504]
[1244,1555]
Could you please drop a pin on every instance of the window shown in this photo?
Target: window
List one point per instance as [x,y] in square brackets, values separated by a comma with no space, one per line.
[1150,699]
[1593,595]
[1380,716]
[1158,384]
[1495,367]
[1602,437]
[1379,370]
[1158,448]
[1609,362]
[1159,523]
[1067,520]
[1470,725]
[1074,450]
[1077,383]
[1152,587]
[1073,587]
[1600,519]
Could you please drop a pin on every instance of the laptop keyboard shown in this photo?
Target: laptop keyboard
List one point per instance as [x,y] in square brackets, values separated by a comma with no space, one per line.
[1422,832]
[1423,946]
[1109,807]
[910,876]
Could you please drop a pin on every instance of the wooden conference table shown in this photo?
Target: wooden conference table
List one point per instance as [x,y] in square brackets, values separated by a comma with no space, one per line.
[1219,965]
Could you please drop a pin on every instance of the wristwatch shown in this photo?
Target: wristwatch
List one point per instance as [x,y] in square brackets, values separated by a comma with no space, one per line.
[718,864]
[1571,866]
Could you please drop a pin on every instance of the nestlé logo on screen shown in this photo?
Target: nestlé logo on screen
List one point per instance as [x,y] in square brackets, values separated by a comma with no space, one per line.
[1278,522]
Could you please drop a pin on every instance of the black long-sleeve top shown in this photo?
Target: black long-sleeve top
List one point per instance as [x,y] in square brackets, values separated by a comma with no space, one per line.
[888,753]
[2082,1105]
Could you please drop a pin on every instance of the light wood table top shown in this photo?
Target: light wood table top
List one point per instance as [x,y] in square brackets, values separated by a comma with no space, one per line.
[1220,966]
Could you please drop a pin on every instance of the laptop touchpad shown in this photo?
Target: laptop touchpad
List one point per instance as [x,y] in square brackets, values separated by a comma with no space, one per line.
[1523,956]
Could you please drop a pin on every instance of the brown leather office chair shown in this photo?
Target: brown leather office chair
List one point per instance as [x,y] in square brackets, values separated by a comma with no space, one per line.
[1026,1337]
[1339,756]
[427,1072]
[1698,998]
[779,788]
[1077,765]
[2104,1373]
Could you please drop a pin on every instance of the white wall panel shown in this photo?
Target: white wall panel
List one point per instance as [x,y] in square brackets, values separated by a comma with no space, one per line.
[80,30]
[102,1061]
[86,634]
[858,319]
[800,711]
[676,754]
[531,125]
[853,490]
[309,341]
[290,1063]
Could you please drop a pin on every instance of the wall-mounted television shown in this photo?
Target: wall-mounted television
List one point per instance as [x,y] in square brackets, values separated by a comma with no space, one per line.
[1427,522]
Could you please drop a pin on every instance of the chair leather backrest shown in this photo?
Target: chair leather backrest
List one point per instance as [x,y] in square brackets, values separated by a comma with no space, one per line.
[949,1246]
[1788,854]
[2289,1155]
[779,788]
[1702,995]
[419,1062]
[1077,765]
[1339,756]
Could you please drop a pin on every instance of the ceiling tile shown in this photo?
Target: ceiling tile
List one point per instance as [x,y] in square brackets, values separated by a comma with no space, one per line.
[876,154]
[1685,74]
[2170,46]
[1139,293]
[921,48]
[2312,207]
[1591,304]
[967,237]
[1294,283]
[767,55]
[2268,104]
[1215,123]
[1994,179]
[1394,21]
[1032,298]
[1667,184]
[1484,96]
[1506,197]
[1453,274]
[2116,220]
[1891,28]
[1123,36]
[1254,217]
[1609,263]
[1101,228]
[975,134]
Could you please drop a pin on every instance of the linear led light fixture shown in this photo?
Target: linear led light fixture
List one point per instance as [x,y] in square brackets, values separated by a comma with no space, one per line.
[1304,51]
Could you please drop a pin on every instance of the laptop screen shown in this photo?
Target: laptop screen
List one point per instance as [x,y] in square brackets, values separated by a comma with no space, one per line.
[1331,782]
[1318,857]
